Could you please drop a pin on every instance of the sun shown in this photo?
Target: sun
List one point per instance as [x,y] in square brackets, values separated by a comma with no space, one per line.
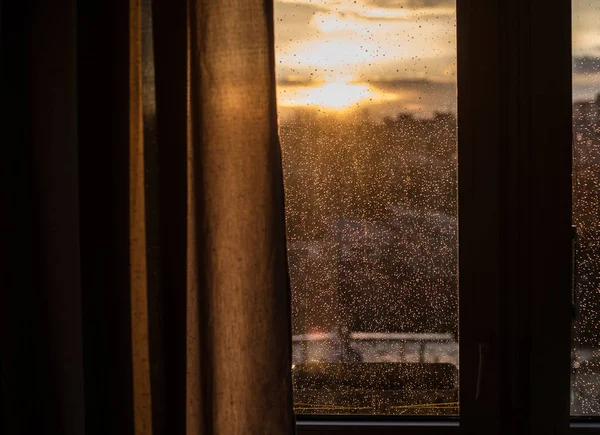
[333,96]
[337,96]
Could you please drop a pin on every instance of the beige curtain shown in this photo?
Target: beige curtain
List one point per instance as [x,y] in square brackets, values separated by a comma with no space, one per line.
[238,276]
[237,303]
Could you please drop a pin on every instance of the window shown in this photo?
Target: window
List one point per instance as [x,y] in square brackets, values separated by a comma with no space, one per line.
[503,231]
[367,98]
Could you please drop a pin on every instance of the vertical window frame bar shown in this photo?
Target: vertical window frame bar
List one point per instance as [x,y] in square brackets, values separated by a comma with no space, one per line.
[549,93]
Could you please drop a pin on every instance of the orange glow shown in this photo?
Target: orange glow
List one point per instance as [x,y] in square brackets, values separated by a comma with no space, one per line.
[337,95]
[339,53]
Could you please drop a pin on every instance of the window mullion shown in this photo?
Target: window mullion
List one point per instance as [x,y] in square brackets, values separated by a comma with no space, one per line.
[479,127]
[547,98]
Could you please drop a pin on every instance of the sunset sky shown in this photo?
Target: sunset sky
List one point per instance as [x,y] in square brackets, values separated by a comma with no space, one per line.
[391,56]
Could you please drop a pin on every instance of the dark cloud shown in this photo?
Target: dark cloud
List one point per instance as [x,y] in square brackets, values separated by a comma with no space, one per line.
[386,85]
[300,11]
[434,8]
[296,81]
[587,92]
[413,4]
[420,85]
[421,96]
[586,65]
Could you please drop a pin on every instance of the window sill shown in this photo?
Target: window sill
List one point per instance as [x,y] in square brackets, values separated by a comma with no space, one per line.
[334,425]
[585,427]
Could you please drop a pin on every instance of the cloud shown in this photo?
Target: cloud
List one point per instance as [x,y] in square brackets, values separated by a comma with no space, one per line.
[428,92]
[394,95]
[403,49]
[398,83]
[299,9]
[379,9]
[383,84]
[586,65]
[413,4]
[586,77]
[391,4]
[422,96]
[296,81]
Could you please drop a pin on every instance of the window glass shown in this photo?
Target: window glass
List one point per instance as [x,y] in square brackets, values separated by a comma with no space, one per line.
[585,380]
[367,112]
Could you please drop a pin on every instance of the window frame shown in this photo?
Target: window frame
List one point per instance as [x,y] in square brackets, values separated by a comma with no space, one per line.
[548,98]
[381,426]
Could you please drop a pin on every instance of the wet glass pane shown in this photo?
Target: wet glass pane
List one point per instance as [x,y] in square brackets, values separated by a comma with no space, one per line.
[585,381]
[367,112]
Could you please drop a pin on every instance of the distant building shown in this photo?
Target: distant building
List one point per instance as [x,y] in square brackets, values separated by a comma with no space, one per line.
[586,132]
[586,113]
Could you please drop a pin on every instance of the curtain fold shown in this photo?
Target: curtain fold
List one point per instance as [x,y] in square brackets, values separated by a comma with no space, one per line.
[239,239]
[143,257]
[223,354]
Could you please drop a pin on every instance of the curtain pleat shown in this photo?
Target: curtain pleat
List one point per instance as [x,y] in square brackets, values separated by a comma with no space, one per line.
[106,101]
[242,292]
[169,347]
[140,354]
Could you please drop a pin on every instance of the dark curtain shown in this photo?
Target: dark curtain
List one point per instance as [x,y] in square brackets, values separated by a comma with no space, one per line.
[143,266]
